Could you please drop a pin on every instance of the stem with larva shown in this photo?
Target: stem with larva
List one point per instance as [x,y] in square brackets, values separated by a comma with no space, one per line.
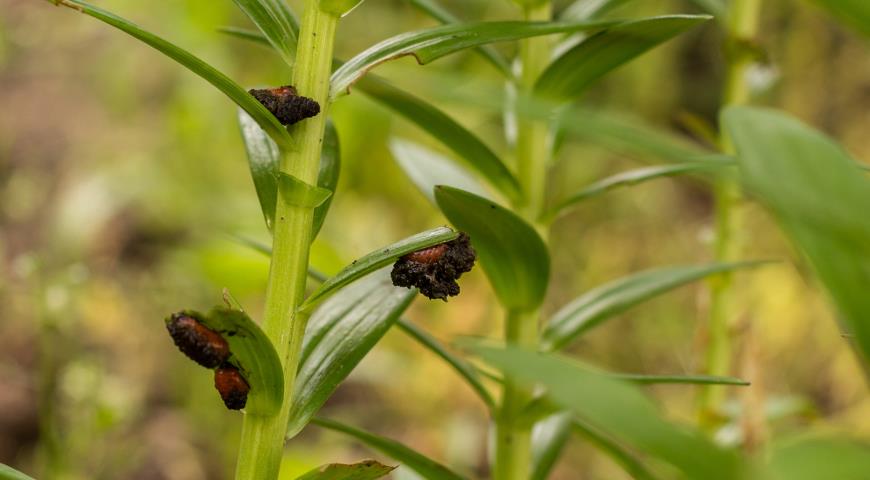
[263,437]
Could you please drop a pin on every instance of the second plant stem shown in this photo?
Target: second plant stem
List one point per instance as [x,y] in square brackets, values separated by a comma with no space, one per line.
[262,440]
[513,455]
[742,25]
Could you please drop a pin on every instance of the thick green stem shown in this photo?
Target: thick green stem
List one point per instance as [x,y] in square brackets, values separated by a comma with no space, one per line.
[533,135]
[262,440]
[513,457]
[513,433]
[742,25]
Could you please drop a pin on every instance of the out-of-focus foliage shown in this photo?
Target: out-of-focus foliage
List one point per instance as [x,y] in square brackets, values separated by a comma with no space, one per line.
[853,12]
[122,176]
[819,197]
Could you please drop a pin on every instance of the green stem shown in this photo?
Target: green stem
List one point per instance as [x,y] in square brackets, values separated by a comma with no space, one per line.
[533,135]
[513,456]
[262,442]
[742,25]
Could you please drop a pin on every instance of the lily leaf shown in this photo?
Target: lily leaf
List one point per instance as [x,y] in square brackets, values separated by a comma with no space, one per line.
[9,473]
[463,142]
[433,43]
[617,409]
[367,470]
[426,169]
[812,457]
[339,334]
[254,355]
[855,13]
[617,452]
[425,467]
[689,379]
[820,199]
[277,22]
[377,260]
[589,9]
[438,12]
[223,83]
[575,70]
[626,179]
[327,175]
[459,364]
[513,255]
[604,302]
[549,437]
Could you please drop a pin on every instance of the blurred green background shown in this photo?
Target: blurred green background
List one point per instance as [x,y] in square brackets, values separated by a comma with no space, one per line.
[123,178]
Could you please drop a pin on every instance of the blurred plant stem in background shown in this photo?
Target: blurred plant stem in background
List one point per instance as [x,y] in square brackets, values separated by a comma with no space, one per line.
[533,150]
[262,443]
[741,26]
[50,451]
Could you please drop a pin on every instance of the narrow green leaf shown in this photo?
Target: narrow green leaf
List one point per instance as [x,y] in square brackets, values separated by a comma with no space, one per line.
[549,437]
[604,302]
[459,364]
[553,440]
[433,43]
[690,379]
[246,34]
[626,179]
[264,159]
[618,453]
[223,83]
[852,12]
[512,254]
[590,9]
[339,334]
[426,169]
[377,260]
[339,8]
[425,467]
[367,470]
[254,355]
[9,473]
[617,409]
[574,71]
[464,143]
[716,8]
[627,133]
[277,22]
[813,458]
[328,174]
[438,12]
[820,199]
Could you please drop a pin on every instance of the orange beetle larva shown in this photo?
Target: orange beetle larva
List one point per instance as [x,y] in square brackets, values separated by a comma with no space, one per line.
[232,386]
[201,344]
